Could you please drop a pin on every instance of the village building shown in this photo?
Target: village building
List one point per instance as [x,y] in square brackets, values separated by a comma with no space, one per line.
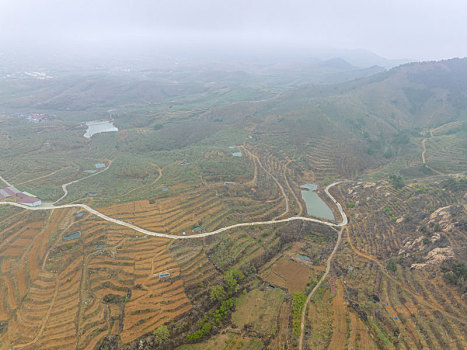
[23,197]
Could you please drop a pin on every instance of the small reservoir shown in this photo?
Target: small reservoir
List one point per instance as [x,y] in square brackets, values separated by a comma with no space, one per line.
[303,257]
[72,236]
[315,206]
[97,127]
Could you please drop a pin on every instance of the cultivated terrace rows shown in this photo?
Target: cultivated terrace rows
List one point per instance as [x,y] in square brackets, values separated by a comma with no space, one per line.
[389,281]
[69,294]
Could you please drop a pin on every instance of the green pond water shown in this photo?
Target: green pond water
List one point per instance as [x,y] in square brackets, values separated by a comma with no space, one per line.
[303,257]
[315,206]
[72,236]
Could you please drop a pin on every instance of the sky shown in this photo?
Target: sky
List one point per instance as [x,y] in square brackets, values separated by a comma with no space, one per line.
[416,29]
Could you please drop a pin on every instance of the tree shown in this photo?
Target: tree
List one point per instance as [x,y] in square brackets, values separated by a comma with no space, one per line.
[161,334]
[237,274]
[388,153]
[397,181]
[231,284]
[217,293]
[231,279]
[391,266]
[158,126]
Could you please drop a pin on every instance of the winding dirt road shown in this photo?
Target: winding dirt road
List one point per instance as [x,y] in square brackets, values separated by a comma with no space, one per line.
[286,199]
[328,268]
[65,186]
[199,235]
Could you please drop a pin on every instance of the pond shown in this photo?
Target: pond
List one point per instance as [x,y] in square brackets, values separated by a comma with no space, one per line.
[99,127]
[303,257]
[72,236]
[315,206]
[237,154]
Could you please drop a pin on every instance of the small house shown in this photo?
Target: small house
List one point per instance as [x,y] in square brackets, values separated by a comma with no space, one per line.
[29,200]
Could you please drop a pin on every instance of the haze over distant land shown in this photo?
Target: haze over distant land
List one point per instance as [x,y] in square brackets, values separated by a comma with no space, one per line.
[418,29]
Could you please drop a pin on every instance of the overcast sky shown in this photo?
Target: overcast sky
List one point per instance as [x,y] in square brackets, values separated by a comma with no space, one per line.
[417,29]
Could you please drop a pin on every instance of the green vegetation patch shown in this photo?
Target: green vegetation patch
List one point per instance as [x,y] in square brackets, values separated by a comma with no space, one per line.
[456,273]
[397,181]
[298,302]
[225,295]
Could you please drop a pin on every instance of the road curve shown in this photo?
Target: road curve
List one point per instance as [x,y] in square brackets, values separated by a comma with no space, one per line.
[338,205]
[256,158]
[64,186]
[199,235]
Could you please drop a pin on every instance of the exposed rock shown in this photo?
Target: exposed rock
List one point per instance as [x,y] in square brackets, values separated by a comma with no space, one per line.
[369,184]
[435,257]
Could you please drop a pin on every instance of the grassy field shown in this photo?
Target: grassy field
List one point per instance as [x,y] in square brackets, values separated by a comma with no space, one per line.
[259,310]
[226,342]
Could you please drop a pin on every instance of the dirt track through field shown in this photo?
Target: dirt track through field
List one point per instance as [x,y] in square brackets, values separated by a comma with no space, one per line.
[44,320]
[286,199]
[431,134]
[328,268]
[65,186]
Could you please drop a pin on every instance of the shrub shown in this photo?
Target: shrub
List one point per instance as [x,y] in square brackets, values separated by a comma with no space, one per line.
[161,335]
[200,333]
[388,154]
[158,126]
[224,310]
[231,279]
[391,266]
[397,181]
[456,273]
[217,293]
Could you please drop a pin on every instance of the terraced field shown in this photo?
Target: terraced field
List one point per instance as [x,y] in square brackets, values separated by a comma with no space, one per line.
[212,205]
[71,294]
[447,153]
[396,300]
[71,280]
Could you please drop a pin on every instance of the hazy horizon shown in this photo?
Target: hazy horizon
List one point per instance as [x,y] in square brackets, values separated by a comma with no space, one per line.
[396,30]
